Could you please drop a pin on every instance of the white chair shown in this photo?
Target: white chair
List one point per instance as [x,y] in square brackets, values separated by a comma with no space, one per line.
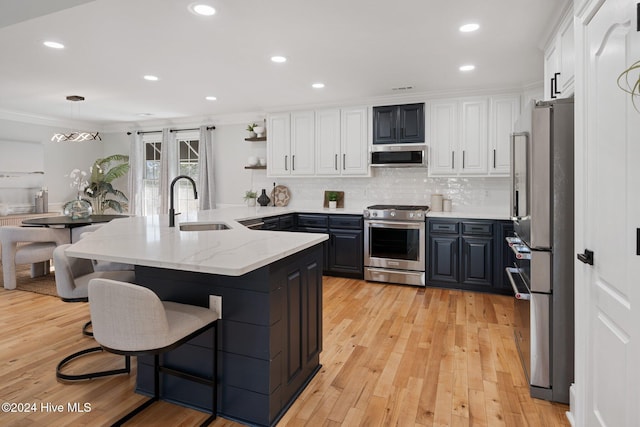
[72,284]
[28,245]
[78,233]
[132,320]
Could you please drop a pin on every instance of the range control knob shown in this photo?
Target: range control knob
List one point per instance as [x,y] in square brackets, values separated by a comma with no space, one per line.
[411,214]
[374,214]
[366,214]
[392,213]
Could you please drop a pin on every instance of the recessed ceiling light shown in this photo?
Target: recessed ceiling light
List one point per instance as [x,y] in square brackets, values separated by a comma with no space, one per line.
[54,45]
[150,78]
[210,98]
[202,9]
[278,59]
[467,28]
[467,67]
[145,114]
[317,85]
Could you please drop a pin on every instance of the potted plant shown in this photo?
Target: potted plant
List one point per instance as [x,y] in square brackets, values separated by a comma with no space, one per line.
[250,197]
[252,133]
[631,83]
[332,196]
[100,189]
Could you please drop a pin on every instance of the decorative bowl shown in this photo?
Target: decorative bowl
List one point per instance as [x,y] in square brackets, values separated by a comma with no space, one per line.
[259,130]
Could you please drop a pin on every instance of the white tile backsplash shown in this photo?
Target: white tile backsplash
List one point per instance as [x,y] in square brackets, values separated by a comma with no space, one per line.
[397,186]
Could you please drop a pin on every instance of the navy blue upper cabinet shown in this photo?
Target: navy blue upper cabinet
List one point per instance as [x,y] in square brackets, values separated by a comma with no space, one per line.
[398,124]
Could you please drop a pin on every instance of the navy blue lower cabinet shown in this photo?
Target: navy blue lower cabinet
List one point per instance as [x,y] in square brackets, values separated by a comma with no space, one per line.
[443,259]
[465,254]
[344,251]
[269,338]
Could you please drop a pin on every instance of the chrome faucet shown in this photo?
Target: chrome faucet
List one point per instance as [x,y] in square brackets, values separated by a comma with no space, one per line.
[172,212]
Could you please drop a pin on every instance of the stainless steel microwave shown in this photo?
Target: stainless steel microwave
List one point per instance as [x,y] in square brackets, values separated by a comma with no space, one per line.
[399,155]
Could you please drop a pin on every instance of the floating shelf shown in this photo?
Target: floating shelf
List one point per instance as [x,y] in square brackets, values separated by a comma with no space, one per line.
[257,138]
[255,167]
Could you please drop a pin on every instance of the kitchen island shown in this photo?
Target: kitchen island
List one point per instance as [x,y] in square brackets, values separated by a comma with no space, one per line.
[270,335]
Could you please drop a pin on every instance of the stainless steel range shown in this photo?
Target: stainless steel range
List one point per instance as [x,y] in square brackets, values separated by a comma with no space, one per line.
[394,244]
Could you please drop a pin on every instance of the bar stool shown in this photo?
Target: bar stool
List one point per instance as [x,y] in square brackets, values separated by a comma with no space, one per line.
[131,320]
[72,285]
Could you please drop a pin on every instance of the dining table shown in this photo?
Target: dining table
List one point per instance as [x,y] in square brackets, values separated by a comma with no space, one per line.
[64,221]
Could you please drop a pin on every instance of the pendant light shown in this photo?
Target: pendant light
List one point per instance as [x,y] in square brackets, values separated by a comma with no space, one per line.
[77,135]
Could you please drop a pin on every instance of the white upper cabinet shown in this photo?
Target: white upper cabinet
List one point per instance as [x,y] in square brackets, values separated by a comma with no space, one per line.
[503,113]
[474,137]
[302,143]
[279,144]
[559,61]
[328,142]
[443,137]
[471,137]
[332,142]
[354,141]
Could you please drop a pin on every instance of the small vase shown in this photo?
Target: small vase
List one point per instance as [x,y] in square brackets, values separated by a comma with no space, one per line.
[263,199]
[333,204]
[78,209]
[251,201]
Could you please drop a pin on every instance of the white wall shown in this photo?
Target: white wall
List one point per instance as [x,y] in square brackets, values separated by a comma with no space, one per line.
[59,157]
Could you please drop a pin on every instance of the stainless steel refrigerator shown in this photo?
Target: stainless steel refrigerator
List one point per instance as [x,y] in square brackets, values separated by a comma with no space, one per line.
[542,196]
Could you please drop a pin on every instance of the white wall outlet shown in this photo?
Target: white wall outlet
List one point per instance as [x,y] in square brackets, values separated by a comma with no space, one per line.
[215,303]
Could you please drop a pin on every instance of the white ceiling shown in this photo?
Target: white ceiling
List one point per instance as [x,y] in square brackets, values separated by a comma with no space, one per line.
[360,49]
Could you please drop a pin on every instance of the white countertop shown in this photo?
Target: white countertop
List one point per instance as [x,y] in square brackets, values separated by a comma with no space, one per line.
[470,214]
[149,241]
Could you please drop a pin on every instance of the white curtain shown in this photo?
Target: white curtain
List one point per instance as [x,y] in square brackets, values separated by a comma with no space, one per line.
[168,167]
[136,171]
[206,181]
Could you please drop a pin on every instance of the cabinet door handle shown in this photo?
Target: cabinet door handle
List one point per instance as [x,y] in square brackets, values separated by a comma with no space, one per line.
[286,160]
[453,160]
[462,159]
[551,87]
[555,84]
[335,162]
[586,257]
[344,161]
[494,158]
[293,162]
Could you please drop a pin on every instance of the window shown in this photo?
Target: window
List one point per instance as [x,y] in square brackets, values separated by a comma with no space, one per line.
[187,165]
[187,145]
[151,178]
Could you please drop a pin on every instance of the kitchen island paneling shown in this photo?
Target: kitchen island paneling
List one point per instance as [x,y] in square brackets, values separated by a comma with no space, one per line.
[270,334]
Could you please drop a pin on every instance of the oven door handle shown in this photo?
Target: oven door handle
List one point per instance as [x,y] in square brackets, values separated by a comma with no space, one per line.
[395,224]
[519,295]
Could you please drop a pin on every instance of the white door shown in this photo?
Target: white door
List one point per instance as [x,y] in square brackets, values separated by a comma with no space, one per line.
[328,142]
[353,141]
[607,223]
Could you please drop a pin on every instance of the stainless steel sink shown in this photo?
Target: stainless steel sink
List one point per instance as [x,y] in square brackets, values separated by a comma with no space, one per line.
[203,226]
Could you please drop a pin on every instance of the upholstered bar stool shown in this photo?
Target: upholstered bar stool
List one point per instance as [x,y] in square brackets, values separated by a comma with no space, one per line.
[72,285]
[131,320]
[28,245]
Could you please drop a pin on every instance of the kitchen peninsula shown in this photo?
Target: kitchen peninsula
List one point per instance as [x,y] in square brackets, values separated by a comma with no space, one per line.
[271,286]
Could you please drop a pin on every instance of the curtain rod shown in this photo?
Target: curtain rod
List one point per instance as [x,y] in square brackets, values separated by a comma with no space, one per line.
[170,130]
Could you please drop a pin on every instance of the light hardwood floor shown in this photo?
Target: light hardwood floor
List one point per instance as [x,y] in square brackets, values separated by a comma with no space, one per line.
[393,356]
